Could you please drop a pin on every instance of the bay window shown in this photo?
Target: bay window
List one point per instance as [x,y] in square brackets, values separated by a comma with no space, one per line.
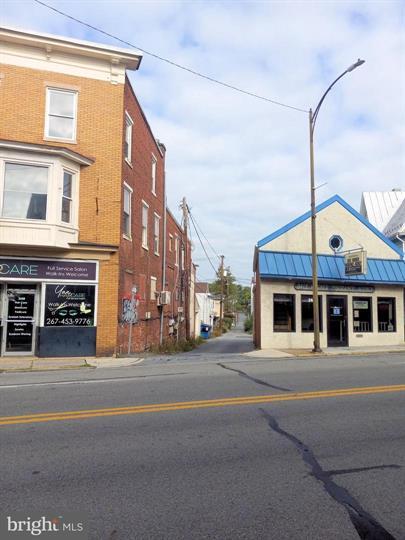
[67,194]
[25,191]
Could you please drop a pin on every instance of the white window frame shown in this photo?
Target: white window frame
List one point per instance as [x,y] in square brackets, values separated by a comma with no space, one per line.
[153,289]
[144,229]
[128,189]
[170,243]
[153,172]
[28,163]
[129,123]
[177,249]
[75,93]
[156,237]
[72,205]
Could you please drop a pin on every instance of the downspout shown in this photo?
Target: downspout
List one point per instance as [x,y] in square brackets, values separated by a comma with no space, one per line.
[164,256]
[403,244]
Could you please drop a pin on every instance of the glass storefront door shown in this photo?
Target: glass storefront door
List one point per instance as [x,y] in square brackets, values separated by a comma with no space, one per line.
[19,328]
[337,321]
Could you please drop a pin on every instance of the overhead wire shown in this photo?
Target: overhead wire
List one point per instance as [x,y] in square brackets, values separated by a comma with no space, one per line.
[168,61]
[202,244]
[208,242]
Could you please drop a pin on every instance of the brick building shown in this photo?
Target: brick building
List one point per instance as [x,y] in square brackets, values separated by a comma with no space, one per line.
[80,173]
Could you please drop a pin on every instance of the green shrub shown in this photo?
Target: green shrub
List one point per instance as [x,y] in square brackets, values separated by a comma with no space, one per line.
[171,346]
[248,325]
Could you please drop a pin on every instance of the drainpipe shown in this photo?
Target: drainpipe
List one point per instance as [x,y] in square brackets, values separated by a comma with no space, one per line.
[403,244]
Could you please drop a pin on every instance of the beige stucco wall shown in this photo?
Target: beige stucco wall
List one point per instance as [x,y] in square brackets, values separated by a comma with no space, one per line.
[334,219]
[298,340]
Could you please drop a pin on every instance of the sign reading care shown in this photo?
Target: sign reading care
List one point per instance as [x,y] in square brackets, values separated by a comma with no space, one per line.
[63,269]
[69,305]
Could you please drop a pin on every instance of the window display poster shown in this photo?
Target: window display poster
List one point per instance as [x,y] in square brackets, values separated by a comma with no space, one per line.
[69,305]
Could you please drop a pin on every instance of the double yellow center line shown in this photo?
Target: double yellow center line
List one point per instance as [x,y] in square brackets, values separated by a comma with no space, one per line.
[204,404]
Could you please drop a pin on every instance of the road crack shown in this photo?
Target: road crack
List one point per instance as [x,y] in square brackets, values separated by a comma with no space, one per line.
[366,525]
[253,379]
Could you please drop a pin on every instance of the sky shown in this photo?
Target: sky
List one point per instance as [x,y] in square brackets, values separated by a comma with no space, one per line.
[241,162]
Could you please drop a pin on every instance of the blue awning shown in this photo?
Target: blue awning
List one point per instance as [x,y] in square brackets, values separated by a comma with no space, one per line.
[282,265]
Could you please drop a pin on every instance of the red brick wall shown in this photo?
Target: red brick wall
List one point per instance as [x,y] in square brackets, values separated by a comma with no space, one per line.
[137,264]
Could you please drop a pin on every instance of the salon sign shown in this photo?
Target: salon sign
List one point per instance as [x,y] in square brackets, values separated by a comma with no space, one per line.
[42,269]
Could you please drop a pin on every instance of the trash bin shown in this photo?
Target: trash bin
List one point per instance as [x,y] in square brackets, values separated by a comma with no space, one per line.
[205,331]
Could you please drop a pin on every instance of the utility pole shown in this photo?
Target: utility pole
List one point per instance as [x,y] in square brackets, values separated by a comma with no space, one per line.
[185,269]
[221,312]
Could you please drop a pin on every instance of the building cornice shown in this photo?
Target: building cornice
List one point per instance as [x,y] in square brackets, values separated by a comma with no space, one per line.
[50,42]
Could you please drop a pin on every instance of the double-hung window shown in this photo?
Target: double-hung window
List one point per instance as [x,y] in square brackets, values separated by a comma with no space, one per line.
[176,250]
[156,227]
[127,211]
[25,191]
[153,287]
[61,113]
[67,197]
[170,243]
[145,209]
[128,138]
[154,165]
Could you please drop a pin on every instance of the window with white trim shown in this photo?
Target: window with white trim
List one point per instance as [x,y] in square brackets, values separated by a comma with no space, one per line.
[176,250]
[153,287]
[145,209]
[61,114]
[67,197]
[156,234]
[25,192]
[128,138]
[170,243]
[127,207]
[154,166]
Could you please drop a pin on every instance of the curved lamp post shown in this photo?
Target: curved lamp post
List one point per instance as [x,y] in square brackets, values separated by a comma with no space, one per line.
[312,120]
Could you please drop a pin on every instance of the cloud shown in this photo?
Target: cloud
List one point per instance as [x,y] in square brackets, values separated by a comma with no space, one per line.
[241,162]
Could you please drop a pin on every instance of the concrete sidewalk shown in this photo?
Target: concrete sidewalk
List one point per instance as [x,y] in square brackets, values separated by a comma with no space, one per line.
[328,351]
[29,363]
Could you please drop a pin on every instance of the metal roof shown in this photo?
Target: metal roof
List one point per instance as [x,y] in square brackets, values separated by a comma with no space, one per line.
[283,265]
[379,206]
[396,224]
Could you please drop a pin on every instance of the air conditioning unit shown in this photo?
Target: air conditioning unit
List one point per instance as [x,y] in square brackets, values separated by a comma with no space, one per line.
[165,298]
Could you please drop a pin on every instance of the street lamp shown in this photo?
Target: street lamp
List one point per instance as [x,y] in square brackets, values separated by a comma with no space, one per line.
[312,120]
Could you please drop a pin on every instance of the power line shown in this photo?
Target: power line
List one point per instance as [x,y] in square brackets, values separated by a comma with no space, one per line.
[171,62]
[202,245]
[208,242]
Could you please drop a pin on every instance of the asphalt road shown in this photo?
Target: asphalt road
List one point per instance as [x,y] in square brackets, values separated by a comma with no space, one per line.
[172,463]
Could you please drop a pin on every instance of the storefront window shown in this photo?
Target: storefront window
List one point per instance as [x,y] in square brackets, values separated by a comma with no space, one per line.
[284,312]
[386,314]
[307,313]
[362,315]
